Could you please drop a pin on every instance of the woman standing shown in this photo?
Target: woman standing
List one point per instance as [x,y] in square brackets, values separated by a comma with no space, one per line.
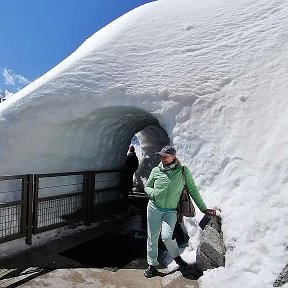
[164,187]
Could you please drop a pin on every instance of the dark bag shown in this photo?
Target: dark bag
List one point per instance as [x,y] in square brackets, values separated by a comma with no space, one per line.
[204,221]
[179,235]
[185,206]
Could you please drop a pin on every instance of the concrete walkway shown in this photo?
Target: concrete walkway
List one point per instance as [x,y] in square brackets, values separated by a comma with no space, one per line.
[53,270]
[89,277]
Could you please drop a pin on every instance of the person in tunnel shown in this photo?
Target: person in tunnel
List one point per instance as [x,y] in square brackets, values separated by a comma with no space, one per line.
[164,187]
[130,167]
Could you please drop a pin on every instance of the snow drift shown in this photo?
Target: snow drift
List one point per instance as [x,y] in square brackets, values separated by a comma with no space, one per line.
[208,76]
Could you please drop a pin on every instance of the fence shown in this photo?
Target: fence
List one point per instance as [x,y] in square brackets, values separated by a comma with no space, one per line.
[12,214]
[41,202]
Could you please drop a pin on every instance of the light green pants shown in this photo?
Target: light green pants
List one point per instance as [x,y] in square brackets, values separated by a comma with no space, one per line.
[164,222]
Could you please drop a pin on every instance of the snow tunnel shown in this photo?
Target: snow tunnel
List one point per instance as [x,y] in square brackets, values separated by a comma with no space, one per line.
[106,134]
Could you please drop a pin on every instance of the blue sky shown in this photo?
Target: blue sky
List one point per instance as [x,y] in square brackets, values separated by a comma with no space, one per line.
[38,34]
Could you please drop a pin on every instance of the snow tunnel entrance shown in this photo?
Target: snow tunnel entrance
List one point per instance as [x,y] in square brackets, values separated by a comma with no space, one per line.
[110,135]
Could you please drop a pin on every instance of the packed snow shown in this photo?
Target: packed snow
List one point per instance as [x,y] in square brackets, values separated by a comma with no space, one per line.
[211,77]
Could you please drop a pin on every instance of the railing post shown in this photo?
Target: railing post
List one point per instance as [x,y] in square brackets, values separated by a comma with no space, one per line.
[35,203]
[88,197]
[91,193]
[29,209]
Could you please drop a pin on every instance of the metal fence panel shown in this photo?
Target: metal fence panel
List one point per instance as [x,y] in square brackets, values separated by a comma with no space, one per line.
[12,213]
[55,211]
[107,187]
[59,211]
[107,193]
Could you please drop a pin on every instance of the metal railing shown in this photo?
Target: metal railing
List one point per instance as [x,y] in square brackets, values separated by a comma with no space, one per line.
[49,201]
[13,213]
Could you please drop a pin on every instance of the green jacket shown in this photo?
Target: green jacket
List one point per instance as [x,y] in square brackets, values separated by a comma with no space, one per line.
[164,187]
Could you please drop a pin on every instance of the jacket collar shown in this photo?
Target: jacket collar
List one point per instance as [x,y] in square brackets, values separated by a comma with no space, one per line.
[169,168]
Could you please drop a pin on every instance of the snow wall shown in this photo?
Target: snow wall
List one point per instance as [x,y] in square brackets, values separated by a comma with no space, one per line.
[208,76]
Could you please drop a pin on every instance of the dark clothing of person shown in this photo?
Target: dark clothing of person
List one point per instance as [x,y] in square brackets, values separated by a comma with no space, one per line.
[131,163]
[130,167]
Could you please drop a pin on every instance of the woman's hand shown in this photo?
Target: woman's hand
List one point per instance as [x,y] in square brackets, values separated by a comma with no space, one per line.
[210,212]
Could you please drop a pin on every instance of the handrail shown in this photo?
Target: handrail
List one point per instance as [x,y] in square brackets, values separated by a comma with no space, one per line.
[12,177]
[46,175]
[59,174]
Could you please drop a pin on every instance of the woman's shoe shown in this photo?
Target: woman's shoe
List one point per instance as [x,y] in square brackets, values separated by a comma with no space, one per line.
[183,264]
[151,271]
